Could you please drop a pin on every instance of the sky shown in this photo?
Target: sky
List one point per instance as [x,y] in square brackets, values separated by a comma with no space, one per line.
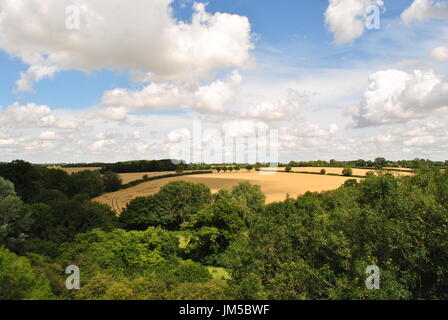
[106,81]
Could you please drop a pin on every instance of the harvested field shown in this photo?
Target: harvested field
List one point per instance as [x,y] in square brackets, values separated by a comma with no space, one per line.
[274,186]
[356,172]
[129,177]
[75,170]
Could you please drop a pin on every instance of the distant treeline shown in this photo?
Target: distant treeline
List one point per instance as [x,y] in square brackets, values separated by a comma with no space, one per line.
[139,166]
[171,165]
[83,165]
[377,163]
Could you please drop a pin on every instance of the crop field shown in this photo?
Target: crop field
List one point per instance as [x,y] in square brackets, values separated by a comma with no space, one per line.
[275,186]
[129,177]
[357,172]
[76,170]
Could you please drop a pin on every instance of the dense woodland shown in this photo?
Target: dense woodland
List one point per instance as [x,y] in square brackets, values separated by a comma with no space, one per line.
[187,243]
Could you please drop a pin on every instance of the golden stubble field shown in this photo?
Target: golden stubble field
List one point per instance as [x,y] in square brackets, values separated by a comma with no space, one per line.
[357,172]
[274,186]
[76,170]
[125,177]
[129,177]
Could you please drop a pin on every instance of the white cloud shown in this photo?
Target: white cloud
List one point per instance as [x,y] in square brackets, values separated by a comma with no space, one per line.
[32,115]
[109,113]
[28,116]
[113,35]
[243,128]
[421,10]
[395,96]
[34,74]
[7,142]
[285,109]
[440,54]
[212,98]
[155,96]
[333,128]
[48,135]
[345,18]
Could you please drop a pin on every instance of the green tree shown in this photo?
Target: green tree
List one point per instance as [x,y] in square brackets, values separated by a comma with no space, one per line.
[173,206]
[180,169]
[15,217]
[88,182]
[380,162]
[18,280]
[347,171]
[111,181]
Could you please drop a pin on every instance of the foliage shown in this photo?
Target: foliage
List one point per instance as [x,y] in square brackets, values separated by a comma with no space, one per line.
[174,205]
[318,246]
[347,171]
[111,181]
[18,280]
[15,218]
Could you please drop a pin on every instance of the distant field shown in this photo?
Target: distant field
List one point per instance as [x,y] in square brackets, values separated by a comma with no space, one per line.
[275,186]
[129,177]
[356,172]
[393,168]
[75,170]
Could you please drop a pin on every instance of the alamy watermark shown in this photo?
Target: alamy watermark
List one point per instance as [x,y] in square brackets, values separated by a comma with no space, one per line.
[373,280]
[214,146]
[73,19]
[372,17]
[73,280]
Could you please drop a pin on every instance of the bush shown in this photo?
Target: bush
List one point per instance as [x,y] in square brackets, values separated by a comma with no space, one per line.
[347,172]
[323,171]
[111,181]
[19,281]
[15,217]
[174,205]
[350,183]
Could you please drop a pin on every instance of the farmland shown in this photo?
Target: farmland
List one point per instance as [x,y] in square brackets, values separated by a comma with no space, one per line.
[76,170]
[213,234]
[275,186]
[333,170]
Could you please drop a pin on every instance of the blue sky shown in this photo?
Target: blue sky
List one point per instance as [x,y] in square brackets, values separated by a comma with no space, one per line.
[125,79]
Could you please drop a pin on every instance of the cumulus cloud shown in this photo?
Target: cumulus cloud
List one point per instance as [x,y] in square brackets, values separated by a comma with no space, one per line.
[421,10]
[210,98]
[114,35]
[155,96]
[48,135]
[109,113]
[243,128]
[346,18]
[395,96]
[32,115]
[28,116]
[440,54]
[284,109]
